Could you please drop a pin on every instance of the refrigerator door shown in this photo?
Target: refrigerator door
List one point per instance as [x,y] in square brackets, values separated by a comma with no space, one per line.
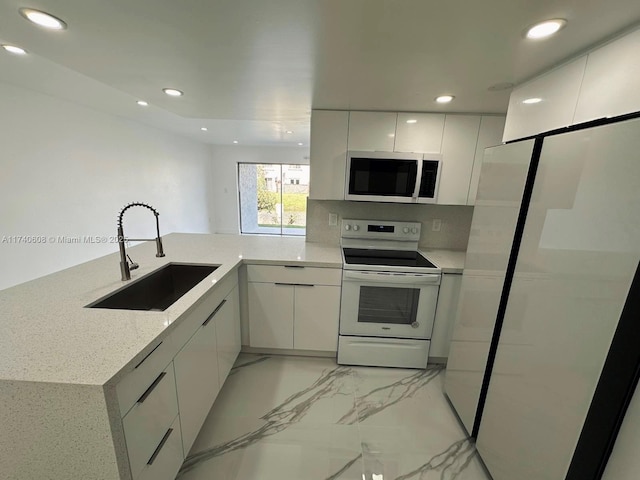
[502,179]
[579,252]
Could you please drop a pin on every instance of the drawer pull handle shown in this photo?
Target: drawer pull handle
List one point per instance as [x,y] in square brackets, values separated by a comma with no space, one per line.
[280,284]
[159,447]
[151,387]
[293,266]
[147,355]
[204,324]
[304,285]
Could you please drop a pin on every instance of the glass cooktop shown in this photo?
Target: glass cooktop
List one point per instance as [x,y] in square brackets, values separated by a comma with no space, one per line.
[394,258]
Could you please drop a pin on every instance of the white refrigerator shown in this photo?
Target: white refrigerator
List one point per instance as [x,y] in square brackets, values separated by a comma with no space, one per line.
[503,176]
[564,358]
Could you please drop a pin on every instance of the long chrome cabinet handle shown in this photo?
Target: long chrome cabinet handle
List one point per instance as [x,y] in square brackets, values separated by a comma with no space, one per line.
[148,391]
[156,452]
[147,355]
[204,324]
[280,284]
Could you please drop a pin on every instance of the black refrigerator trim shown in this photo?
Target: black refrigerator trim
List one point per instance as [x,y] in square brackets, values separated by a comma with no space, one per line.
[506,288]
[615,388]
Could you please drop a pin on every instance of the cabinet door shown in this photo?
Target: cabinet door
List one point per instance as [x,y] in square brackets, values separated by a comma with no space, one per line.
[328,161]
[458,151]
[611,79]
[448,297]
[558,93]
[490,135]
[228,334]
[372,131]
[270,315]
[148,420]
[316,310]
[197,382]
[419,132]
[167,457]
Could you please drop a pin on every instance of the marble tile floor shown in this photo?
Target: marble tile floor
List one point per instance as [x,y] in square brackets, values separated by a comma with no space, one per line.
[303,418]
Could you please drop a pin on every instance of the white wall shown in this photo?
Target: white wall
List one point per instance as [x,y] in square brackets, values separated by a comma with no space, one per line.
[67,170]
[224,177]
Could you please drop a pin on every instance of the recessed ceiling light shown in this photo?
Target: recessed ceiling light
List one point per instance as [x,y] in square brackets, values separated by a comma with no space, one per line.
[43,19]
[529,101]
[412,120]
[545,29]
[444,98]
[15,50]
[204,129]
[300,143]
[289,131]
[172,92]
[391,135]
[142,103]
[235,141]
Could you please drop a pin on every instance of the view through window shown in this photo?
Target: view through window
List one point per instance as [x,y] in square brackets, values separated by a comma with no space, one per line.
[273,198]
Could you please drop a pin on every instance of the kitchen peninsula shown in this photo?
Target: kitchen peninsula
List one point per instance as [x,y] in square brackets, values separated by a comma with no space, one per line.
[62,362]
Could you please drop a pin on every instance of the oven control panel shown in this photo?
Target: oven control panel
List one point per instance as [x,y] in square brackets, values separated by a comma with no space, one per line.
[381,230]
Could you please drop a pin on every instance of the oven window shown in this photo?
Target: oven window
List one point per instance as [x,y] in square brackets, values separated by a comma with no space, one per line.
[398,306]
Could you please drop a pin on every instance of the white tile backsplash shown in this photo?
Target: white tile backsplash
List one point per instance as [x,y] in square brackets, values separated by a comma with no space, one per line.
[453,233]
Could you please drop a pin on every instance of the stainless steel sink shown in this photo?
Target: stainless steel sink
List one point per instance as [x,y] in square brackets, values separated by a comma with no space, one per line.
[158,290]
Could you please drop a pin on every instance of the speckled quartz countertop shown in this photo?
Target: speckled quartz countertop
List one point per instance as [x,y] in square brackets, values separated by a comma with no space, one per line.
[450,261]
[48,335]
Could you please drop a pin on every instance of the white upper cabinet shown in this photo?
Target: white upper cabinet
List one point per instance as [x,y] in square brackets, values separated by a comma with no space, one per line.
[557,92]
[611,80]
[458,151]
[372,131]
[490,135]
[460,140]
[329,130]
[419,132]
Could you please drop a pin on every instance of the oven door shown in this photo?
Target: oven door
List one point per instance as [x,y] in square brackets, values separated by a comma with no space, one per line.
[388,304]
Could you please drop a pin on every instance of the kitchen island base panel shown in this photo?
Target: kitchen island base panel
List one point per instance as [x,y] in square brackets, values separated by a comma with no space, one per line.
[45,423]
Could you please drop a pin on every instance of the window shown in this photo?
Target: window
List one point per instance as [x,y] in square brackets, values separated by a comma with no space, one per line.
[273,198]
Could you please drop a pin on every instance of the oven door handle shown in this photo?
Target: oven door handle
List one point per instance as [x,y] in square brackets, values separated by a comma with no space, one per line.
[396,278]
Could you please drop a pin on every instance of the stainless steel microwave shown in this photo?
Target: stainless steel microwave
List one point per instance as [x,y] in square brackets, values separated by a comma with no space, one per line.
[392,177]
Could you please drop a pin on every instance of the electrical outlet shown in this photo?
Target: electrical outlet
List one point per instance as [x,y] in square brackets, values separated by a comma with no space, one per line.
[437,223]
[333,219]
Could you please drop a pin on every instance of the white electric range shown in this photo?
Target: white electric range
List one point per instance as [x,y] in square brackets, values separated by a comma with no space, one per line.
[389,295]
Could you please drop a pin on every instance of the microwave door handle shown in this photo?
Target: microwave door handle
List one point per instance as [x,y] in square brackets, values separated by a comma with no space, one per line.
[416,190]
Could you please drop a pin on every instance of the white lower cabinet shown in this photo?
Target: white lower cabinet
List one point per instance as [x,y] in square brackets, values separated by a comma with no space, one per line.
[293,307]
[271,315]
[197,379]
[163,409]
[167,458]
[148,420]
[316,312]
[228,334]
[448,297]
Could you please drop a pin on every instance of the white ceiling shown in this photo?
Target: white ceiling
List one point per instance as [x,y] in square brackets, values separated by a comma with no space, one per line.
[253,69]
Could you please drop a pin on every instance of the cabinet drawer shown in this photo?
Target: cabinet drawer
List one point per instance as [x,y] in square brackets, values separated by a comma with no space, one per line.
[167,458]
[294,274]
[131,387]
[148,420]
[197,315]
